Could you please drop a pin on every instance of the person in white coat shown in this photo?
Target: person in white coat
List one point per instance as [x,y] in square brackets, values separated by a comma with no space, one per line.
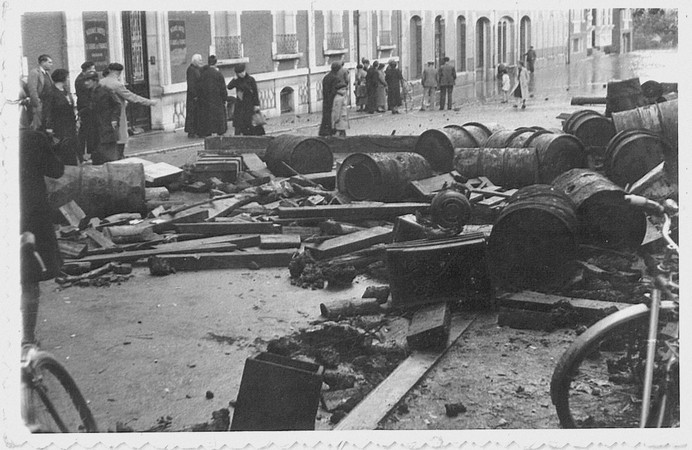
[521,90]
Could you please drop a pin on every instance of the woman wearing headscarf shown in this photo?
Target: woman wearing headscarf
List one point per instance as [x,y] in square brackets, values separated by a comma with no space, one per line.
[193,73]
[247,103]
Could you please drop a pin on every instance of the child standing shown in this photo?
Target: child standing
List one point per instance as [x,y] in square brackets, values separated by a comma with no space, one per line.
[505,86]
[340,111]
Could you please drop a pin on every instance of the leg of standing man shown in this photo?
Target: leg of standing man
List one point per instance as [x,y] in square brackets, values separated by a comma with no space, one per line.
[443,95]
[449,96]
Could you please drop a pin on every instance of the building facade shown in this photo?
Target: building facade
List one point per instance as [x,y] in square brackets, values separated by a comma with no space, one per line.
[290,51]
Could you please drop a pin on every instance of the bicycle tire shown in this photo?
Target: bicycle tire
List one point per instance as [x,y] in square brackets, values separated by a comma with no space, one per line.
[614,326]
[50,387]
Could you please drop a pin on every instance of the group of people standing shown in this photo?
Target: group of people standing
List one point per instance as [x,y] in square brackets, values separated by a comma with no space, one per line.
[207,99]
[378,89]
[522,89]
[442,79]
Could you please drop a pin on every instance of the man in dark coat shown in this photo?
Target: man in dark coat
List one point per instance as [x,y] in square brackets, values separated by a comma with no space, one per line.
[58,109]
[211,100]
[88,135]
[36,161]
[371,82]
[328,92]
[395,81]
[105,108]
[247,102]
[193,73]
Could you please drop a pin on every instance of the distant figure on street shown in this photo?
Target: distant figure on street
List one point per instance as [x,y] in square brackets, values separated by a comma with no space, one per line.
[105,108]
[88,135]
[340,110]
[371,86]
[112,81]
[381,90]
[429,82]
[39,84]
[395,81]
[505,86]
[192,78]
[248,102]
[360,88]
[329,83]
[446,77]
[58,111]
[530,59]
[211,100]
[521,90]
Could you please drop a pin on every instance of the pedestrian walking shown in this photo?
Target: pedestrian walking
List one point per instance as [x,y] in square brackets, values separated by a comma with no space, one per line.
[505,86]
[429,82]
[36,161]
[112,81]
[530,59]
[446,78]
[371,86]
[395,83]
[60,120]
[39,84]
[340,110]
[211,100]
[329,83]
[88,134]
[521,90]
[105,108]
[192,77]
[360,88]
[247,103]
[381,90]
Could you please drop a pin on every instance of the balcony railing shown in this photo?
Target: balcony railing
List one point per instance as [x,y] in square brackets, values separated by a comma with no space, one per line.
[386,37]
[228,47]
[286,44]
[335,41]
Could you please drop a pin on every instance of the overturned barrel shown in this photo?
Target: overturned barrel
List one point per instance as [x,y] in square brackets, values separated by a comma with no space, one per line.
[631,154]
[509,138]
[100,190]
[507,167]
[592,128]
[437,145]
[302,154]
[380,176]
[533,239]
[660,118]
[623,95]
[557,153]
[605,219]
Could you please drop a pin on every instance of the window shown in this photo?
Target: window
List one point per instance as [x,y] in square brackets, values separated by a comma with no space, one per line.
[285,32]
[334,36]
[461,43]
[385,27]
[227,35]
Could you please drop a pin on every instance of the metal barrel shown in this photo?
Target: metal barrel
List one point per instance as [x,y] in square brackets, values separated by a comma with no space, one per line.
[381,176]
[533,239]
[631,154]
[303,154]
[605,219]
[513,138]
[507,167]
[100,190]
[623,95]
[437,145]
[592,128]
[660,118]
[557,153]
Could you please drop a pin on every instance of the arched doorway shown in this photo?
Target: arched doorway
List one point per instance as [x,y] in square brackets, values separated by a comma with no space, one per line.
[524,35]
[286,97]
[461,43]
[505,41]
[483,38]
[416,50]
[439,39]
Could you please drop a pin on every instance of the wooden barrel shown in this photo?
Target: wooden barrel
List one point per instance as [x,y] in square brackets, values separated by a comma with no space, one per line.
[660,118]
[100,190]
[437,145]
[507,167]
[631,154]
[605,219]
[623,95]
[592,128]
[557,153]
[533,239]
[303,154]
[381,176]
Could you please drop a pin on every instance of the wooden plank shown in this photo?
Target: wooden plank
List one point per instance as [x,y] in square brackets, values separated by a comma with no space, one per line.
[429,186]
[363,143]
[303,232]
[429,327]
[545,302]
[220,228]
[354,211]
[99,238]
[239,144]
[70,249]
[351,242]
[155,174]
[325,179]
[368,414]
[268,241]
[254,164]
[72,213]
[234,260]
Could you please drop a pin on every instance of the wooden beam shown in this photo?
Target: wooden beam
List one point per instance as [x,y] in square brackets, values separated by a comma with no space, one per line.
[72,213]
[269,241]
[354,211]
[221,228]
[234,260]
[370,412]
[351,242]
[538,301]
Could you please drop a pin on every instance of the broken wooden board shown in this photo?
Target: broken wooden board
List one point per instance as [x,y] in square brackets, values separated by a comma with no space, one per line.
[429,186]
[302,231]
[353,211]
[70,249]
[236,144]
[269,241]
[222,228]
[99,238]
[325,179]
[370,412]
[155,174]
[407,228]
[429,327]
[537,301]
[72,213]
[233,260]
[351,242]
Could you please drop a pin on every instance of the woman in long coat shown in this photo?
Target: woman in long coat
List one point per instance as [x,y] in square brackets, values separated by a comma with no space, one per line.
[192,78]
[394,81]
[58,109]
[361,88]
[381,90]
[521,90]
[247,103]
[212,96]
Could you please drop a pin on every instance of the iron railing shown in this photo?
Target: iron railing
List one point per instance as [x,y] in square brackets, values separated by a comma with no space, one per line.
[286,44]
[335,41]
[228,47]
[386,37]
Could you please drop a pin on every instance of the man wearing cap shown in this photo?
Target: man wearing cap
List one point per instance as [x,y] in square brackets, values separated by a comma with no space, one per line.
[429,82]
[87,128]
[211,96]
[112,82]
[248,102]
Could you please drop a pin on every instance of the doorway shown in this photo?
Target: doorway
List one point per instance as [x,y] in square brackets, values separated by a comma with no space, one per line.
[136,73]
[416,68]
[483,38]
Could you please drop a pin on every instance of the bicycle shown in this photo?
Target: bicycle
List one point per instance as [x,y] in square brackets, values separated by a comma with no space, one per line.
[51,402]
[624,370]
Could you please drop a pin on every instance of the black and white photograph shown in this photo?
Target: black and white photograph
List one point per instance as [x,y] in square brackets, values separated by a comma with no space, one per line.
[239,225]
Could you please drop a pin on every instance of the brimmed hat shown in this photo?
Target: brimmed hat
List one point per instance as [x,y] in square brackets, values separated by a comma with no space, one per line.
[115,67]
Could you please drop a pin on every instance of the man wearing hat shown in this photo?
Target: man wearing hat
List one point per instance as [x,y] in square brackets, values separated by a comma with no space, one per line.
[328,92]
[111,81]
[429,82]
[211,97]
[247,103]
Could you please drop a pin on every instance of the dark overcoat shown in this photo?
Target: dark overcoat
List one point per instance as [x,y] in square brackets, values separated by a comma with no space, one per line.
[328,92]
[247,98]
[212,96]
[193,74]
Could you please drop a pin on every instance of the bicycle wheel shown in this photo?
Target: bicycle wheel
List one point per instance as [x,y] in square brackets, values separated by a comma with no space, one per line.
[598,381]
[51,400]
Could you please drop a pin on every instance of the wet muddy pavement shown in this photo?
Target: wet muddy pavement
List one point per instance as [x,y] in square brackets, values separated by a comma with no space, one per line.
[164,353]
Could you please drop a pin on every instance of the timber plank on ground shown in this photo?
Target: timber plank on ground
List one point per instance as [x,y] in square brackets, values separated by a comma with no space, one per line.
[354,211]
[222,228]
[538,301]
[232,260]
[351,242]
